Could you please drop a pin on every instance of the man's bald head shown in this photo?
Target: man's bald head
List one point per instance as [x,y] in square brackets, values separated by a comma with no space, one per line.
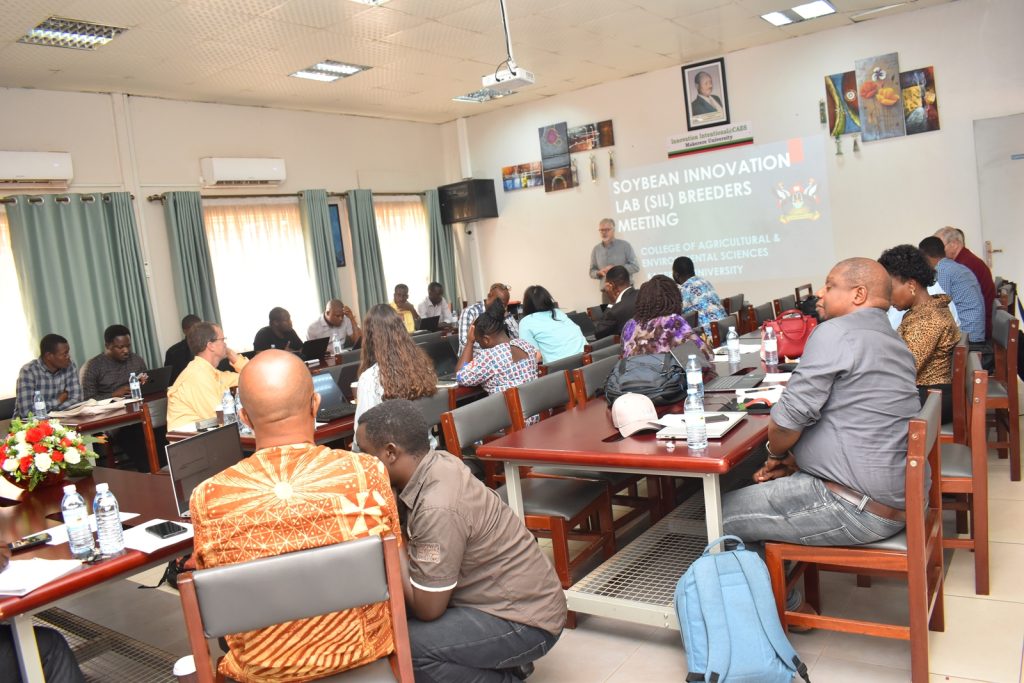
[277,393]
[853,284]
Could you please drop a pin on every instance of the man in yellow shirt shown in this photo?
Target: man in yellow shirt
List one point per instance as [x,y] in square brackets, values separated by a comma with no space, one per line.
[405,309]
[196,394]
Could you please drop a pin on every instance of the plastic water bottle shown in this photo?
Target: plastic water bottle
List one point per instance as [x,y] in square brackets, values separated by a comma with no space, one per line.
[227,404]
[696,429]
[108,521]
[76,520]
[732,344]
[695,375]
[770,346]
[136,388]
[243,428]
[336,345]
[39,406]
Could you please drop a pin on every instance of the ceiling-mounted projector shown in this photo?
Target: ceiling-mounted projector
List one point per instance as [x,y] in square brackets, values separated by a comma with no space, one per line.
[510,77]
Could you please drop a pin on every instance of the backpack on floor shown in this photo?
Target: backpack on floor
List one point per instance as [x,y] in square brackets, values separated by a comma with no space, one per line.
[730,627]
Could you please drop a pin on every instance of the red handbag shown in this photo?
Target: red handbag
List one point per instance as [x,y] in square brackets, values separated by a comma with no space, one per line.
[792,329]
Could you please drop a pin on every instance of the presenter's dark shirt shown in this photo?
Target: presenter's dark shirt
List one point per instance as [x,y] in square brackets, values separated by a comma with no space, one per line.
[266,339]
[178,356]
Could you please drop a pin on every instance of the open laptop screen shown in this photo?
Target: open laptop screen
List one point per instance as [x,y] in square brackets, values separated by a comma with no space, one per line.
[330,394]
[197,458]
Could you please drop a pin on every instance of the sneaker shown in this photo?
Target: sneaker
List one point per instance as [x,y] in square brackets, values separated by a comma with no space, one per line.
[522,672]
[804,608]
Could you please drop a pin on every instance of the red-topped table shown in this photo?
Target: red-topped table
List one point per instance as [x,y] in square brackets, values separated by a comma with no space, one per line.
[131,413]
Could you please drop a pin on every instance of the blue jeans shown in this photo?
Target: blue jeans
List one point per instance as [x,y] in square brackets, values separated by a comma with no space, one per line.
[466,645]
[799,509]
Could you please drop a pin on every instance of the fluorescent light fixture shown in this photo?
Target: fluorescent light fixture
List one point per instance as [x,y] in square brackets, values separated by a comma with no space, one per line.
[483,95]
[328,70]
[71,33]
[776,18]
[372,3]
[813,10]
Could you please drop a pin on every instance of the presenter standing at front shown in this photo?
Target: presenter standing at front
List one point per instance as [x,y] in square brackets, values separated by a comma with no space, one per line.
[611,252]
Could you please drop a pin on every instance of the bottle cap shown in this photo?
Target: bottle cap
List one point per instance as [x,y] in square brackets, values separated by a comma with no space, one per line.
[70,488]
[732,328]
[691,390]
[102,487]
[692,355]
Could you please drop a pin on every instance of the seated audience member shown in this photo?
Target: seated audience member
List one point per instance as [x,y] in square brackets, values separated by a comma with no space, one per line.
[547,327]
[336,320]
[178,355]
[927,327]
[501,362]
[278,334]
[53,374]
[498,292]
[391,364]
[837,438]
[623,297]
[955,248]
[963,288]
[405,309]
[697,293]
[656,325]
[436,305]
[197,393]
[484,601]
[59,664]
[292,495]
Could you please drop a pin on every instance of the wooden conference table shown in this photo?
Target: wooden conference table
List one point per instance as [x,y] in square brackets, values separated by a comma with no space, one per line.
[132,413]
[23,513]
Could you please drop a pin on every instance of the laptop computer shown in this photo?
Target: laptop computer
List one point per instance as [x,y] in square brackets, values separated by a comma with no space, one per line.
[314,349]
[430,324]
[585,324]
[747,378]
[193,460]
[159,380]
[443,357]
[333,404]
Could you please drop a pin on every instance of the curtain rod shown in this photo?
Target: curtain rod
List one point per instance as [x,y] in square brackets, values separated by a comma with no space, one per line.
[160,197]
[63,198]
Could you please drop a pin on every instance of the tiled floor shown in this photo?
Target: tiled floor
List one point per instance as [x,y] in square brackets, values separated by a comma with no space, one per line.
[983,640]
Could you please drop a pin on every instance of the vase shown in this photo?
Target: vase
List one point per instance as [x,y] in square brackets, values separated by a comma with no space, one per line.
[49,481]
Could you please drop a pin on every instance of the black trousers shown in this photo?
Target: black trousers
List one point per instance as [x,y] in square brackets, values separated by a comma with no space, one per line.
[59,665]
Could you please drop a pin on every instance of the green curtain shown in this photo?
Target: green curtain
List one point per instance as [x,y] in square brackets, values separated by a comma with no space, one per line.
[369,266]
[194,288]
[66,258]
[442,251]
[316,224]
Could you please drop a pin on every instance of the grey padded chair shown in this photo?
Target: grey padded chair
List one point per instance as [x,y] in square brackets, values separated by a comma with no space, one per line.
[765,311]
[602,343]
[559,366]
[427,337]
[785,303]
[590,379]
[691,319]
[219,601]
[595,312]
[350,356]
[433,407]
[613,351]
[734,304]
[720,328]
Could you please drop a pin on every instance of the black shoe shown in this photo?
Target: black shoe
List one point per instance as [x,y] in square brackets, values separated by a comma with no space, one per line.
[522,672]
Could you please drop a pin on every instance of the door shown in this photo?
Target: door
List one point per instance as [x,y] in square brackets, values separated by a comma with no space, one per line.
[999,151]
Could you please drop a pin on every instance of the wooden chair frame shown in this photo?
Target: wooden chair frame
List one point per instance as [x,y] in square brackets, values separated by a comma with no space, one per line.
[802,292]
[1003,398]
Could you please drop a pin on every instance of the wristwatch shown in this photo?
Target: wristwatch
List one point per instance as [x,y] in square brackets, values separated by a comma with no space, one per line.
[772,456]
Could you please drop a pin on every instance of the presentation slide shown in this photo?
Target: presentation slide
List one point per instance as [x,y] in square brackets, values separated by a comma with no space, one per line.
[756,212]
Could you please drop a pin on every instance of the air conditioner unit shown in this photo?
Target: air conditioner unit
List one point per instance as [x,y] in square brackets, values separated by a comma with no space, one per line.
[233,172]
[46,170]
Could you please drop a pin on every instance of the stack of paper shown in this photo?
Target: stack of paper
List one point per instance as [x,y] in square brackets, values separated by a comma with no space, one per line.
[90,407]
[24,576]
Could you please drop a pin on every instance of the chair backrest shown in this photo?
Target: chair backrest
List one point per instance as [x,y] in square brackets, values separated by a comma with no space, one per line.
[733,304]
[584,322]
[1004,343]
[219,601]
[472,422]
[595,312]
[590,379]
[427,337]
[350,356]
[720,328]
[785,303]
[691,319]
[602,343]
[612,351]
[433,407]
[562,364]
[7,407]
[923,453]
[541,396]
[453,341]
[765,311]
[960,406]
[803,291]
[975,383]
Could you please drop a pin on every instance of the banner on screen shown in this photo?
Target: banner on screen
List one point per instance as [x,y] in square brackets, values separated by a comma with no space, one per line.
[754,212]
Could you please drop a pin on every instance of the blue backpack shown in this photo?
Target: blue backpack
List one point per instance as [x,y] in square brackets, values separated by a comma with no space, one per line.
[730,627]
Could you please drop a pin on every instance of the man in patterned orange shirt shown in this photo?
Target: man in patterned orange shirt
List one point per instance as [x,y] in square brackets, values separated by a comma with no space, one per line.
[292,495]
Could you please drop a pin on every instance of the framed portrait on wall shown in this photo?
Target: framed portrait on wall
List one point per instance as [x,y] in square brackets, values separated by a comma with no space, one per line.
[706,95]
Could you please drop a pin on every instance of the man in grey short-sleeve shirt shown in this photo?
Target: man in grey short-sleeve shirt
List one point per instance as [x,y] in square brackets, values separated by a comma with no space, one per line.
[611,252]
[837,440]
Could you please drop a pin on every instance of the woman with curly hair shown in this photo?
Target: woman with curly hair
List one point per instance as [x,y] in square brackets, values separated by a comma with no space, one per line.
[657,324]
[391,365]
[928,327]
[501,362]
[549,329]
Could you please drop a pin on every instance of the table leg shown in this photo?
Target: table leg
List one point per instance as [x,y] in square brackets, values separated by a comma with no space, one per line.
[713,506]
[514,489]
[28,650]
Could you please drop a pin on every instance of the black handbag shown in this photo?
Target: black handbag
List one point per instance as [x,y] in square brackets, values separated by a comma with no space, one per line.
[657,376]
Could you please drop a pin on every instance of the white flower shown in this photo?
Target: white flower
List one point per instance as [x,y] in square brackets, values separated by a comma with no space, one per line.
[20,436]
[10,464]
[72,456]
[43,462]
[72,435]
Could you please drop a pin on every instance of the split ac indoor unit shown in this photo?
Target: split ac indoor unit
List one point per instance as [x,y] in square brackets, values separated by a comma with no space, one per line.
[44,170]
[228,172]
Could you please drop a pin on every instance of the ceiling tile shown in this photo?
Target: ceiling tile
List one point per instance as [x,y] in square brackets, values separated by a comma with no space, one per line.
[316,13]
[117,12]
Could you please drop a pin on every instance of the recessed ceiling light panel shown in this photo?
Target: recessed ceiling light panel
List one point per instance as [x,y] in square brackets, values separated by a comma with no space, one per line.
[328,70]
[483,95]
[71,33]
[776,18]
[372,3]
[813,10]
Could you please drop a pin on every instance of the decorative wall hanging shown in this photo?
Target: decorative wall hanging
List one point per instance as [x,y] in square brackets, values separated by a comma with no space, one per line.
[880,97]
[521,176]
[841,103]
[920,103]
[554,154]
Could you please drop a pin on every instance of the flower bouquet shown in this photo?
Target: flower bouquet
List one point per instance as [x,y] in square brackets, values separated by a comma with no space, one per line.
[36,450]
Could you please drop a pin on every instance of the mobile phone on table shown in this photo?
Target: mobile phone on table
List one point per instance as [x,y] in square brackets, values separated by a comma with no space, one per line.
[28,542]
[716,418]
[166,529]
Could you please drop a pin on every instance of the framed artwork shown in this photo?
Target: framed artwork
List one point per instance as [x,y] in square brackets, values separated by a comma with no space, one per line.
[920,103]
[706,94]
[880,97]
[842,103]
[339,246]
[554,155]
[521,176]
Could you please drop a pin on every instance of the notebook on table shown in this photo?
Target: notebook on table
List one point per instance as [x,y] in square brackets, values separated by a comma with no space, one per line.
[193,460]
[718,425]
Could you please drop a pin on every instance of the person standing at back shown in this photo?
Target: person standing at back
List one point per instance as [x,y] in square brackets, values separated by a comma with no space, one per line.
[611,252]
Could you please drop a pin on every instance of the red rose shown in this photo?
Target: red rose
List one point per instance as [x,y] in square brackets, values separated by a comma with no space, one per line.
[65,442]
[46,428]
[3,451]
[40,448]
[34,435]
[26,462]
[57,456]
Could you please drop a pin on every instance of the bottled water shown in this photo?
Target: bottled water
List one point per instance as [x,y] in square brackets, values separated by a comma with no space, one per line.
[336,345]
[243,428]
[227,404]
[39,406]
[770,346]
[696,429]
[133,384]
[108,521]
[732,343]
[76,519]
[695,375]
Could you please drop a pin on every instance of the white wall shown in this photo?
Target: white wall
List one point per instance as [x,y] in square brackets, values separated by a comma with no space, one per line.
[148,146]
[893,191]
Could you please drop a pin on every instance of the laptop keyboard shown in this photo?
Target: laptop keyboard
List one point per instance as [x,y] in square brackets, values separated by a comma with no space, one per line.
[747,381]
[335,412]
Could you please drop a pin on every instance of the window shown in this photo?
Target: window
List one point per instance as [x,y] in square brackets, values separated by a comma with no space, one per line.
[259,261]
[404,244]
[15,347]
